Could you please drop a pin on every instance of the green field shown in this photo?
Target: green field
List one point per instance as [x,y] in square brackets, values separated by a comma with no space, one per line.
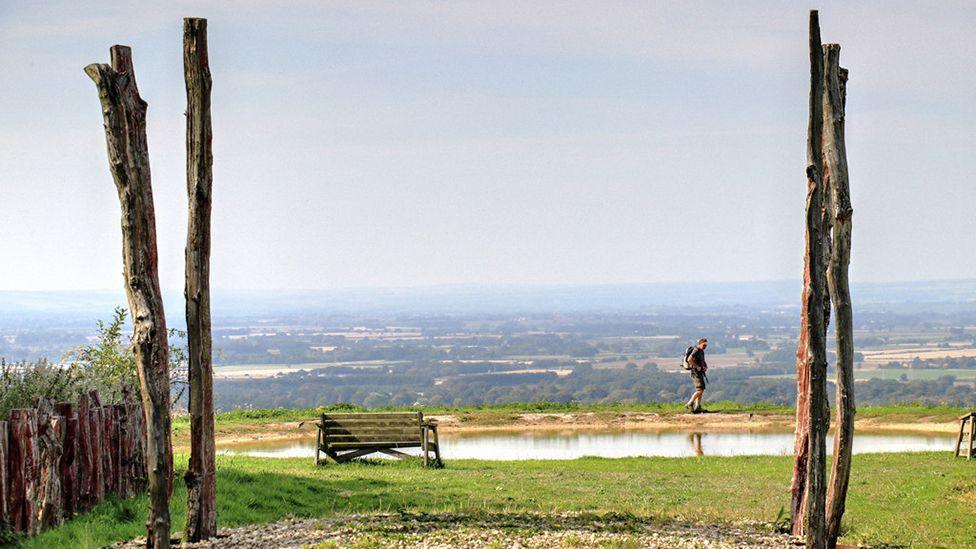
[893,373]
[900,499]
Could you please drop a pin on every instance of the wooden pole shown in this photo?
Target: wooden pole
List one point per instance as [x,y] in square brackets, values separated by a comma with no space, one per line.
[22,470]
[809,475]
[95,431]
[201,521]
[84,455]
[69,466]
[50,432]
[4,474]
[124,112]
[138,435]
[835,168]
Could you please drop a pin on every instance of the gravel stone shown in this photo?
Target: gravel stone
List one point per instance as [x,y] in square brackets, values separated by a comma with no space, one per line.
[514,531]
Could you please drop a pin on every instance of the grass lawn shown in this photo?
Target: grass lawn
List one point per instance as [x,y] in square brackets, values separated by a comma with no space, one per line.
[922,499]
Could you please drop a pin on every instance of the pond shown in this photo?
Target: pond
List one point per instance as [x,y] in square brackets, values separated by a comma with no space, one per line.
[514,445]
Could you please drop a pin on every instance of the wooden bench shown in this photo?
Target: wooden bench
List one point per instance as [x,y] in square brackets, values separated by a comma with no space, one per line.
[967,437]
[343,437]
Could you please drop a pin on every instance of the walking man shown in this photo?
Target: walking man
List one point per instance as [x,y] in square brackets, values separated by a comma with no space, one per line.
[697,366]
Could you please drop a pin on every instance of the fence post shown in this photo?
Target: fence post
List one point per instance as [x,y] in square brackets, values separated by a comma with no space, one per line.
[114,436]
[69,461]
[137,428]
[50,431]
[84,456]
[96,427]
[4,484]
[108,450]
[23,470]
[125,450]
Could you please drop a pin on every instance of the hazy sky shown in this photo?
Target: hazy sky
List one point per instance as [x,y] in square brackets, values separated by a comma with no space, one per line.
[415,143]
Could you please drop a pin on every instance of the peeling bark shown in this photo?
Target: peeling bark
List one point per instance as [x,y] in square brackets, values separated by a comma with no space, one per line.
[201,522]
[50,430]
[841,212]
[68,467]
[124,113]
[22,468]
[4,474]
[809,473]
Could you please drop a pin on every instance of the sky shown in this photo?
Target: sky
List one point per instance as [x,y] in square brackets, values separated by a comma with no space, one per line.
[409,143]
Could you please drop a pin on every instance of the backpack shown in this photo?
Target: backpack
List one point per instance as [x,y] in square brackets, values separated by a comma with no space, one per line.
[684,363]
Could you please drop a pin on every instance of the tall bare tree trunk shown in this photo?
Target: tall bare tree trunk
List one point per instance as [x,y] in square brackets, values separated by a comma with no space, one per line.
[835,160]
[201,520]
[809,475]
[124,112]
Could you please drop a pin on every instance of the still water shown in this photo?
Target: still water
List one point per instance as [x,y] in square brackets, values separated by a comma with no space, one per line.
[505,445]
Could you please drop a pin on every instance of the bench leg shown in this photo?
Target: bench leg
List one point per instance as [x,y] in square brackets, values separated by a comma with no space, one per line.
[395,453]
[962,431]
[972,437]
[318,446]
[423,441]
[437,447]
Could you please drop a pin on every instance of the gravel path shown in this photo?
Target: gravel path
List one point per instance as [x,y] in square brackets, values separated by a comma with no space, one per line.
[498,530]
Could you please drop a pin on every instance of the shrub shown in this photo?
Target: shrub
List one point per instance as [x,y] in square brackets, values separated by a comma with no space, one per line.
[106,365]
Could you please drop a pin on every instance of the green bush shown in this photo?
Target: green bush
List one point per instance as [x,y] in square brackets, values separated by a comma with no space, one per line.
[22,383]
[106,365]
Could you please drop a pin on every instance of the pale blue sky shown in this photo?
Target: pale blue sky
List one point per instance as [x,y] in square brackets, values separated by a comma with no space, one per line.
[417,143]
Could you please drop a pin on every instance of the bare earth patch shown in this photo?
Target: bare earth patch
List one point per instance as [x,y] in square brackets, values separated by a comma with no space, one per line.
[491,530]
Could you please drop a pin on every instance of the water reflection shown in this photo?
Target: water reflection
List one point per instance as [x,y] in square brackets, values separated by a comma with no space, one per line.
[515,445]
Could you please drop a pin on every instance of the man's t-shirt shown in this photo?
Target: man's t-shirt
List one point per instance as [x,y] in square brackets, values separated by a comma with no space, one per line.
[697,360]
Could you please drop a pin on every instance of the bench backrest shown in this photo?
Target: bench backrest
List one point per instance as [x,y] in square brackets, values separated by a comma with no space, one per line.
[391,427]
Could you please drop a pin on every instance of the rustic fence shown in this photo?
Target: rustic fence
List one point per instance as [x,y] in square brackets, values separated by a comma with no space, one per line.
[59,459]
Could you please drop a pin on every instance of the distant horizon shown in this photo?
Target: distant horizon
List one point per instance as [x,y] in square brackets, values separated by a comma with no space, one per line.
[467,298]
[499,285]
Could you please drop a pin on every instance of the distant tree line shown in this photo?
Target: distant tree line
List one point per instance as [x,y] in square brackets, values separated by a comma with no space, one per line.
[462,384]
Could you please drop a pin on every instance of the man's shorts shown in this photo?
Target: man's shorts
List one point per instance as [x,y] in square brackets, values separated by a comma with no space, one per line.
[699,381]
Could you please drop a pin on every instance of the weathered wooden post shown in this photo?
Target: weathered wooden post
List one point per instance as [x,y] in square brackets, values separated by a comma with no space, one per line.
[201,521]
[835,172]
[124,112]
[50,431]
[22,470]
[96,427]
[137,434]
[110,445]
[4,475]
[88,465]
[809,473]
[69,466]
[126,442]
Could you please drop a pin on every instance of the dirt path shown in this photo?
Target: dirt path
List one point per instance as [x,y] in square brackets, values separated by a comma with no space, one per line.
[583,421]
[490,530]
